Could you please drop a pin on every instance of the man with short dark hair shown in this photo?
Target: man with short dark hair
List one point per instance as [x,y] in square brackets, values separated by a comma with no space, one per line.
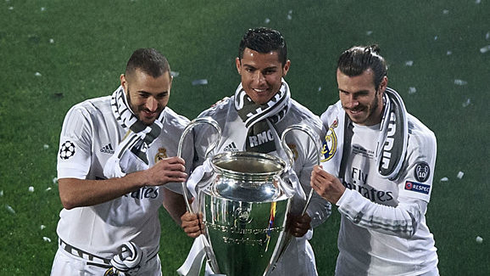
[253,120]
[378,165]
[117,165]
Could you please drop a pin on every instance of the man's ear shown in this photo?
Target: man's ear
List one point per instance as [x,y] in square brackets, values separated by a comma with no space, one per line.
[285,68]
[238,64]
[124,82]
[383,84]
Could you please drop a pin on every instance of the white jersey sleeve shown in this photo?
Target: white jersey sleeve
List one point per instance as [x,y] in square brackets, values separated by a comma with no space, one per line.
[414,185]
[76,142]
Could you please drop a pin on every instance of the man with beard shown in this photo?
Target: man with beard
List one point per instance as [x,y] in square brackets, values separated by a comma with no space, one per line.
[117,165]
[378,165]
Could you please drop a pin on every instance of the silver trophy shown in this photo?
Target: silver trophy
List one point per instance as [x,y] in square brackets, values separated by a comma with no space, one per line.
[245,208]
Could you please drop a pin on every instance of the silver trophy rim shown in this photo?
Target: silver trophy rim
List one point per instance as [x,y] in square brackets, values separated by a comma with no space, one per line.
[236,155]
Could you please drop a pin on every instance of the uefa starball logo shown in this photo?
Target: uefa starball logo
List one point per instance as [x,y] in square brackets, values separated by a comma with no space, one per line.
[67,150]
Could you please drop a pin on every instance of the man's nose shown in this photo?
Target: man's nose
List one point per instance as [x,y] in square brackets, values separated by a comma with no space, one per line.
[152,104]
[259,77]
[351,101]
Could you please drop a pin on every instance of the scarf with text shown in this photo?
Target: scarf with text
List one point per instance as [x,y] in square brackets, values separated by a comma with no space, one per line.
[259,119]
[392,142]
[131,154]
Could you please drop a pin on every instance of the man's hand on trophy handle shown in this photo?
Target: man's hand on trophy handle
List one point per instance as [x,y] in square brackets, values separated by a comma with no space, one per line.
[298,225]
[192,224]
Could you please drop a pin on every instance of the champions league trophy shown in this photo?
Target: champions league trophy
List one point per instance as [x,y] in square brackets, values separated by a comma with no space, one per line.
[245,208]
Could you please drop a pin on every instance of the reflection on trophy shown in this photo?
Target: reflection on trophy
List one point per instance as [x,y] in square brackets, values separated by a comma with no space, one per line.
[245,208]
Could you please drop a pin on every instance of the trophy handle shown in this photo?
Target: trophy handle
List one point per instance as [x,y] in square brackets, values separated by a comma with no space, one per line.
[286,239]
[306,129]
[188,128]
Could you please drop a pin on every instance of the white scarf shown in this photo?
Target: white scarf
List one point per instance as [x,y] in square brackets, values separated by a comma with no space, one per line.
[260,119]
[392,141]
[131,154]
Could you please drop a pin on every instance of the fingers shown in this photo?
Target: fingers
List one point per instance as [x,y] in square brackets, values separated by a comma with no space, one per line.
[299,225]
[167,170]
[192,224]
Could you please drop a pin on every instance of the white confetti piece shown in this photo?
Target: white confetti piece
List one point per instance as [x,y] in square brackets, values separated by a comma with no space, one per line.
[51,40]
[43,9]
[10,209]
[485,49]
[55,180]
[445,11]
[46,239]
[460,175]
[319,88]
[200,82]
[449,53]
[479,239]
[436,37]
[412,90]
[267,21]
[174,73]
[460,82]
[37,74]
[409,63]
[467,102]
[444,179]
[1,193]
[31,189]
[369,32]
[290,17]
[42,227]
[487,36]
[48,189]
[46,146]
[477,1]
[11,8]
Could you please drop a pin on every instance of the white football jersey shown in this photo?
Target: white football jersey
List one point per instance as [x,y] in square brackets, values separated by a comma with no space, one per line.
[383,228]
[88,139]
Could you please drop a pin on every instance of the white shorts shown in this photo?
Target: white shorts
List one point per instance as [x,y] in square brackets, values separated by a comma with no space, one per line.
[65,264]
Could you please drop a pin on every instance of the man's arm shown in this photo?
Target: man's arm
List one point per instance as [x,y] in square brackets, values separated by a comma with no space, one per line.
[174,203]
[80,192]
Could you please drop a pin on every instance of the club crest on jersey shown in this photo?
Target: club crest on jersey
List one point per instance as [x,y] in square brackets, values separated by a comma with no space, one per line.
[417,187]
[161,154]
[422,171]
[67,150]
[329,143]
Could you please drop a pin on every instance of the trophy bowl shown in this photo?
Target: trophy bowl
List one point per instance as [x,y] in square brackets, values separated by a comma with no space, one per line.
[244,212]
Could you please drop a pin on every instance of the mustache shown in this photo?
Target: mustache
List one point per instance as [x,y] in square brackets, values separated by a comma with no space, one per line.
[357,108]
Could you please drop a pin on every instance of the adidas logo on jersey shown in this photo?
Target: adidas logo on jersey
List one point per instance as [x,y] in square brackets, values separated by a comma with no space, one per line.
[231,147]
[107,149]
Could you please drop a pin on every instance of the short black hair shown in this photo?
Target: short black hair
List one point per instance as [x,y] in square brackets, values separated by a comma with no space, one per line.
[356,60]
[264,40]
[148,60]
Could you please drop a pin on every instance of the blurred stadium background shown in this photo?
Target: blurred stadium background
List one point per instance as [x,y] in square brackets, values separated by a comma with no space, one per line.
[56,53]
